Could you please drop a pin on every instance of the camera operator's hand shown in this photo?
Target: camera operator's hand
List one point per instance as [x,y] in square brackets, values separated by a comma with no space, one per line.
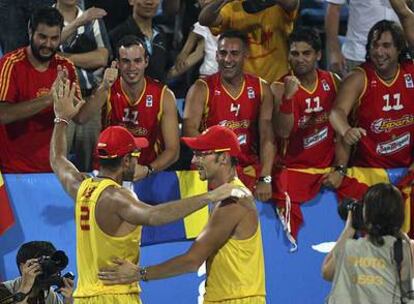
[67,290]
[30,270]
[124,272]
[348,224]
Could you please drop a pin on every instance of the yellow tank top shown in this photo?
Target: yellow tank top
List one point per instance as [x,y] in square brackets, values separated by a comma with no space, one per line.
[237,269]
[95,248]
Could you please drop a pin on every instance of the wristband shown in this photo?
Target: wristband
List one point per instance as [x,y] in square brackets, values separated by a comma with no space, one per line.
[143,273]
[341,169]
[287,105]
[59,120]
[265,179]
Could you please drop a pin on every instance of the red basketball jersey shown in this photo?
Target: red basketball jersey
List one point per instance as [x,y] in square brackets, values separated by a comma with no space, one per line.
[141,117]
[239,113]
[311,142]
[24,144]
[386,112]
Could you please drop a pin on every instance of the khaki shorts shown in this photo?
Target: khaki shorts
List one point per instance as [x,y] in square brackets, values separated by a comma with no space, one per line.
[248,300]
[110,299]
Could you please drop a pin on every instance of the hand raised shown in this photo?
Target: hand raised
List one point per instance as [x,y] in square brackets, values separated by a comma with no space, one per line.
[110,75]
[66,104]
[291,86]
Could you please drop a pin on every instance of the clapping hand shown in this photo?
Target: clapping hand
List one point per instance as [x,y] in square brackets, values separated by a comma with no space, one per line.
[66,104]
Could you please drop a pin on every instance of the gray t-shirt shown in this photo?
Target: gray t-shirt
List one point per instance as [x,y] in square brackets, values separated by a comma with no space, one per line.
[365,273]
[51,297]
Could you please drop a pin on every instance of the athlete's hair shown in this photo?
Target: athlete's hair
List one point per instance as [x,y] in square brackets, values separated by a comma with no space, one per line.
[235,34]
[33,250]
[308,35]
[45,15]
[397,34]
[128,41]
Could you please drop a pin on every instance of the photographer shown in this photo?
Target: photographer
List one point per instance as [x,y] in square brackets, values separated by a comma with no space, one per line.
[29,288]
[375,268]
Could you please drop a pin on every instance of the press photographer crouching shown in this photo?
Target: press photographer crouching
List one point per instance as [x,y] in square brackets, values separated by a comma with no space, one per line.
[40,267]
[376,268]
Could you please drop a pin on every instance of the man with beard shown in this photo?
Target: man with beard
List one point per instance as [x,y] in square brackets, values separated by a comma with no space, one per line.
[231,242]
[307,141]
[109,217]
[143,105]
[241,102]
[26,76]
[379,95]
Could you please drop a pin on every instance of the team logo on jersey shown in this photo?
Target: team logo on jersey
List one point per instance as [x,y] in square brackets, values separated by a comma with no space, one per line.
[409,84]
[312,120]
[394,145]
[314,139]
[250,93]
[235,107]
[388,124]
[325,86]
[148,101]
[242,139]
[217,92]
[373,83]
[231,124]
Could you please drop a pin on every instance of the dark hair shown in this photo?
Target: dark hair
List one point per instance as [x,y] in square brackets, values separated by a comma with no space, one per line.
[397,34]
[384,212]
[32,250]
[110,163]
[233,160]
[46,15]
[235,34]
[308,35]
[130,40]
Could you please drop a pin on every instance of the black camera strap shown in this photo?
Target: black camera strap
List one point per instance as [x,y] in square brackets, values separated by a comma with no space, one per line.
[398,257]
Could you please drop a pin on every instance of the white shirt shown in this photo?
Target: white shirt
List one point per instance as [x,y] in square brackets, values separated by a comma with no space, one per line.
[363,14]
[209,65]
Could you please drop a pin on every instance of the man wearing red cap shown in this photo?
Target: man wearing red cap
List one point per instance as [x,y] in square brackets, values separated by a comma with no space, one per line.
[109,218]
[231,242]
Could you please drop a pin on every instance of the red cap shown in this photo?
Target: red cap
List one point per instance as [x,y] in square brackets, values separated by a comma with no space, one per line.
[117,141]
[216,139]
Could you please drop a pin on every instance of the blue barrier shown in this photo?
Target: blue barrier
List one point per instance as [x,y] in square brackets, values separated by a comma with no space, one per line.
[44,212]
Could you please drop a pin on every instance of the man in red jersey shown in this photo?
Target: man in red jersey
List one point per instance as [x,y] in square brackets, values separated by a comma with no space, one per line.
[26,77]
[241,102]
[143,105]
[379,94]
[308,147]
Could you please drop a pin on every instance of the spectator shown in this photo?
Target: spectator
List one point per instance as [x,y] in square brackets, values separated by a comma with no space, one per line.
[231,242]
[14,17]
[201,43]
[109,217]
[241,102]
[267,27]
[28,288]
[140,24]
[376,268]
[26,116]
[307,139]
[143,105]
[363,14]
[379,95]
[86,43]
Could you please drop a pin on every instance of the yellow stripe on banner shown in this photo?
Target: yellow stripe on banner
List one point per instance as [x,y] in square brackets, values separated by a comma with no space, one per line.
[190,185]
[1,180]
[407,209]
[368,176]
[312,170]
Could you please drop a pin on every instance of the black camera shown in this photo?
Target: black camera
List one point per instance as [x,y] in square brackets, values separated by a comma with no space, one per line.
[51,270]
[350,204]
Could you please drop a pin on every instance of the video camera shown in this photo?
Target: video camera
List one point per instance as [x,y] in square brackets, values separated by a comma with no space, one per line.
[355,206]
[51,270]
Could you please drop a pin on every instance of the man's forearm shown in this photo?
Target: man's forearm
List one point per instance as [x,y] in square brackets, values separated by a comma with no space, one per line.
[406,16]
[342,152]
[165,159]
[210,12]
[13,112]
[94,104]
[89,60]
[178,265]
[284,124]
[332,27]
[339,122]
[172,211]
[267,148]
[58,145]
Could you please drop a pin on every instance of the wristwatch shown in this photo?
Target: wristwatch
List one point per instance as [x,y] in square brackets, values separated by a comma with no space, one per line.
[265,179]
[143,273]
[341,169]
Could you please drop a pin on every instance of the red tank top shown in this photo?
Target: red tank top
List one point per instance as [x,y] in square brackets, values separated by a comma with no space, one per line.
[386,112]
[311,142]
[141,117]
[239,113]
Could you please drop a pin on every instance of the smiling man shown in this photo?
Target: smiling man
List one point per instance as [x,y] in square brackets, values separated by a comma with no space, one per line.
[241,102]
[144,106]
[26,114]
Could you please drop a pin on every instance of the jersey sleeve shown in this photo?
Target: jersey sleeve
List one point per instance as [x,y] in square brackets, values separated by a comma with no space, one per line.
[8,86]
